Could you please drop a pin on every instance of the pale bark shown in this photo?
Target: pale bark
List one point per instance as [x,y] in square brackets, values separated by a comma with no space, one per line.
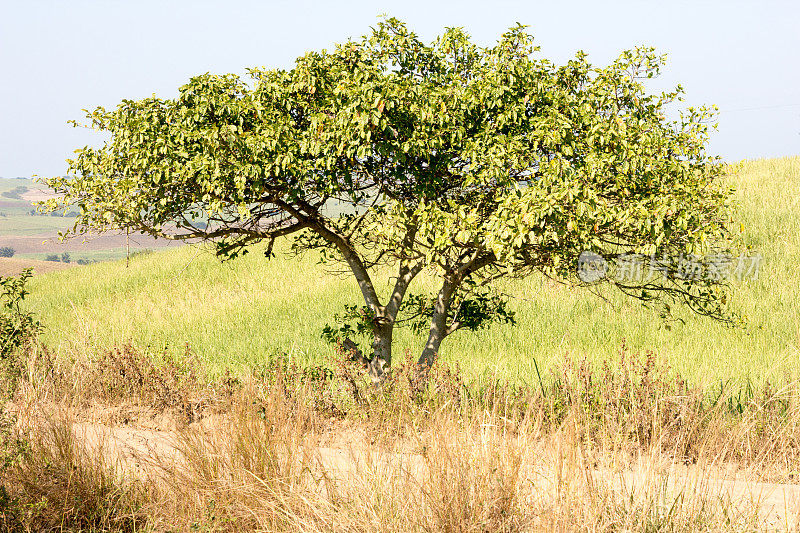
[386,318]
[439,322]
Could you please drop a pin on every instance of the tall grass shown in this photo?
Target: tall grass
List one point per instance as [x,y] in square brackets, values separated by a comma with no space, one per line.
[295,449]
[239,314]
[56,482]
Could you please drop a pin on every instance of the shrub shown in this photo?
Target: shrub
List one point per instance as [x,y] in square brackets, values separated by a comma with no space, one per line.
[137,253]
[7,251]
[17,329]
[16,326]
[15,193]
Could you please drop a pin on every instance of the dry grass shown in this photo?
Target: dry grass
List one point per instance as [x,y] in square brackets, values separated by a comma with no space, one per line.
[54,482]
[625,447]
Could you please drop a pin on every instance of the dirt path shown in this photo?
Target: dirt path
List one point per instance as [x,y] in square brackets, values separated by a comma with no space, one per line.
[134,448]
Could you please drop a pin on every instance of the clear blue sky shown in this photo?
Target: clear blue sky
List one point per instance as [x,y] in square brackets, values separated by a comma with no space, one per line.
[57,57]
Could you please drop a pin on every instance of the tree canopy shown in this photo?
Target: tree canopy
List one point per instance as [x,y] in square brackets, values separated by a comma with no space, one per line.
[473,163]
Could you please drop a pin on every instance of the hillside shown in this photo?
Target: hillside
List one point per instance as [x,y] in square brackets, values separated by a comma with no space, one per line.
[242,312]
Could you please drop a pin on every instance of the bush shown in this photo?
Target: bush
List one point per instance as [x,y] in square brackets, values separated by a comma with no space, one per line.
[139,253]
[7,251]
[16,326]
[52,257]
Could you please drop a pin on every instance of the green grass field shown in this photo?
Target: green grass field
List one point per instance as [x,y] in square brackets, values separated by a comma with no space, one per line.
[237,314]
[15,211]
[7,184]
[26,225]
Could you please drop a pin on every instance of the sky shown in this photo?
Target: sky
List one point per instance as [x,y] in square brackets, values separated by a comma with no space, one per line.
[59,57]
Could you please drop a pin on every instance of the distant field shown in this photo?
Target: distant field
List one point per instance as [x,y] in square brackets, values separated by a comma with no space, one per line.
[13,266]
[7,184]
[33,235]
[241,312]
[27,225]
[49,243]
[111,254]
[15,210]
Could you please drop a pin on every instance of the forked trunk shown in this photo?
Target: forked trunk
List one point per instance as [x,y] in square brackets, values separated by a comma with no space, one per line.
[439,326]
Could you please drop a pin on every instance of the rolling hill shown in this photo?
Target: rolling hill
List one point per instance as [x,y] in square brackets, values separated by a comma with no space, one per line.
[238,314]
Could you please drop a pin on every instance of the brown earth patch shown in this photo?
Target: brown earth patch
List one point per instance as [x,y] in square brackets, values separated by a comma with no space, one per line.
[49,243]
[9,203]
[38,194]
[12,266]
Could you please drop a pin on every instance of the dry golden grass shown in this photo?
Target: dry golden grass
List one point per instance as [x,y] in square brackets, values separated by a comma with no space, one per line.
[629,447]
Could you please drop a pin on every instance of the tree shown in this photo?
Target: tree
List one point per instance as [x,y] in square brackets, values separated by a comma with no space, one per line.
[7,251]
[474,163]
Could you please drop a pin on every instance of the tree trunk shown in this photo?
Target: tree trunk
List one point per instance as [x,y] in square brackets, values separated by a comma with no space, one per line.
[382,350]
[385,318]
[431,348]
[439,325]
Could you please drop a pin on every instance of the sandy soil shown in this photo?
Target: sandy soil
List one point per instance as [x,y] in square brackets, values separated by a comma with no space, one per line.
[135,448]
